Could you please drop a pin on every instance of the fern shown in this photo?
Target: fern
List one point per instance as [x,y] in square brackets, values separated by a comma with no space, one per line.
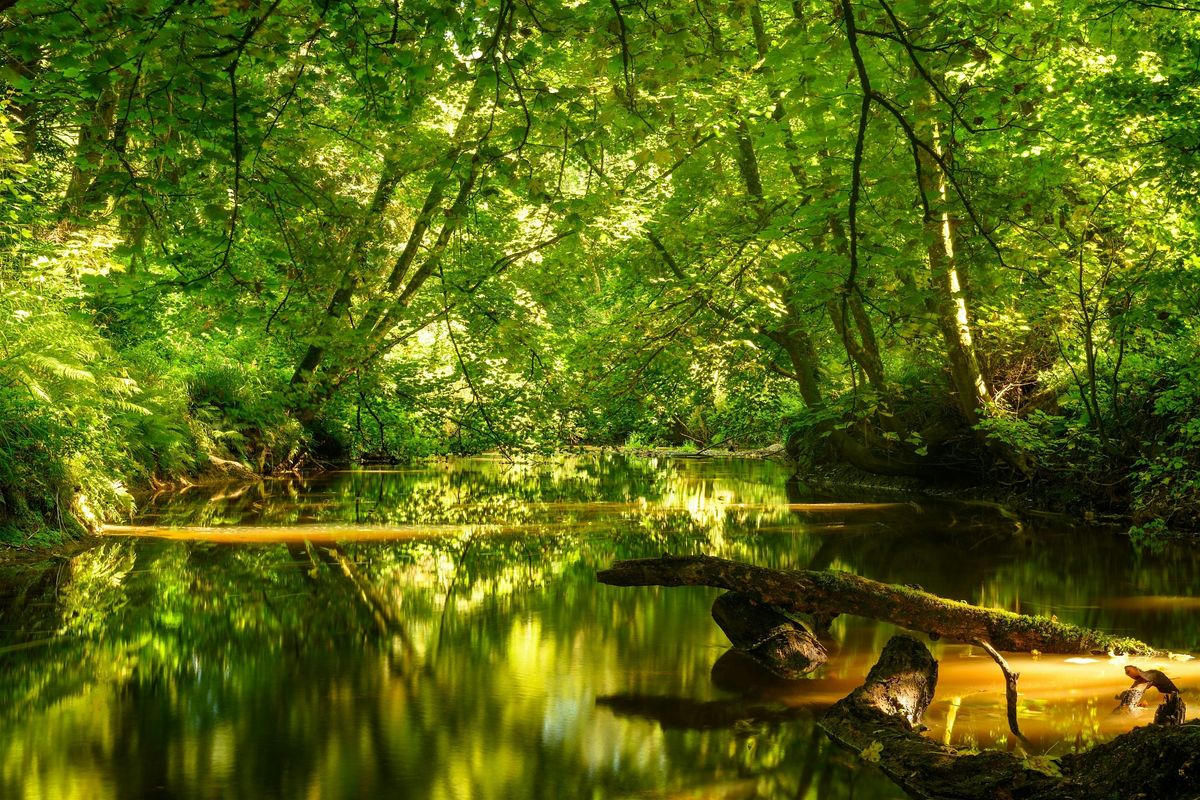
[51,365]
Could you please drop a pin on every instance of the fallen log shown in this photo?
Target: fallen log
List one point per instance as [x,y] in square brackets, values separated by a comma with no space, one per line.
[880,720]
[781,645]
[825,592]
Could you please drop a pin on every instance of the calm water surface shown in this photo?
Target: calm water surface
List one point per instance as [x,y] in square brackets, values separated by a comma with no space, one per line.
[438,632]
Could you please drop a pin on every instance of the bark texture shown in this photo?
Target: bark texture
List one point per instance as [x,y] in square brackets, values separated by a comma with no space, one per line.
[1171,711]
[780,644]
[826,592]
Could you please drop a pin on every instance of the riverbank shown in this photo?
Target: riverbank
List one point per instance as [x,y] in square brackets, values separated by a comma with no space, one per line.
[14,554]
[1017,501]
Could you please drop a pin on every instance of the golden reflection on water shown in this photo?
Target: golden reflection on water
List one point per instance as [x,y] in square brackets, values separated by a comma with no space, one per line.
[438,632]
[1061,703]
[273,534]
[1152,603]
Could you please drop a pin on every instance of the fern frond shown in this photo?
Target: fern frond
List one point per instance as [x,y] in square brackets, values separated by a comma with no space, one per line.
[130,408]
[59,369]
[33,386]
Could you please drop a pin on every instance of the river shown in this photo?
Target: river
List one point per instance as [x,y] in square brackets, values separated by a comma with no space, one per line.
[438,632]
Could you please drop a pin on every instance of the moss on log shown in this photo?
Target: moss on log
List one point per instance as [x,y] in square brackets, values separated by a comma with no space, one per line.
[828,592]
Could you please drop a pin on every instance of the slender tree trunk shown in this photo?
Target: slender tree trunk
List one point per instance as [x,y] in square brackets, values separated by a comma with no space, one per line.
[370,335]
[949,299]
[94,135]
[26,108]
[747,161]
[864,351]
[375,331]
[310,392]
[856,334]
[342,297]
[802,356]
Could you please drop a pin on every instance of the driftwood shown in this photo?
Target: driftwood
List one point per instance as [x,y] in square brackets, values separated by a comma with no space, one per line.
[1130,700]
[778,643]
[1152,677]
[1171,711]
[825,592]
[879,721]
[1010,688]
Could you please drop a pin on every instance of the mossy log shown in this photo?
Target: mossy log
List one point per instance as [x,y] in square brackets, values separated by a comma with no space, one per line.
[778,643]
[880,722]
[828,592]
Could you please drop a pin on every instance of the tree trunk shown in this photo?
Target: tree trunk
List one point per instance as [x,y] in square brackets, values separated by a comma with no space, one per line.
[310,392]
[831,593]
[25,105]
[778,643]
[949,300]
[343,296]
[948,295]
[864,350]
[94,134]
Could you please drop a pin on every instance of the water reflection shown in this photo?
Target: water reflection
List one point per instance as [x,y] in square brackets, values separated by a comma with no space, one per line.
[439,633]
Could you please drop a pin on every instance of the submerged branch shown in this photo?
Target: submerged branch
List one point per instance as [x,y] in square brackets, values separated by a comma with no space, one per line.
[1010,687]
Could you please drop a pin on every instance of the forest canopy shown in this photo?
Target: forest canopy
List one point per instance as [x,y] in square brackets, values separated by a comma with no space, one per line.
[919,238]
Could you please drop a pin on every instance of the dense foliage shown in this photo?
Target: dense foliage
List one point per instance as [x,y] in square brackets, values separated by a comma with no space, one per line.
[922,238]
